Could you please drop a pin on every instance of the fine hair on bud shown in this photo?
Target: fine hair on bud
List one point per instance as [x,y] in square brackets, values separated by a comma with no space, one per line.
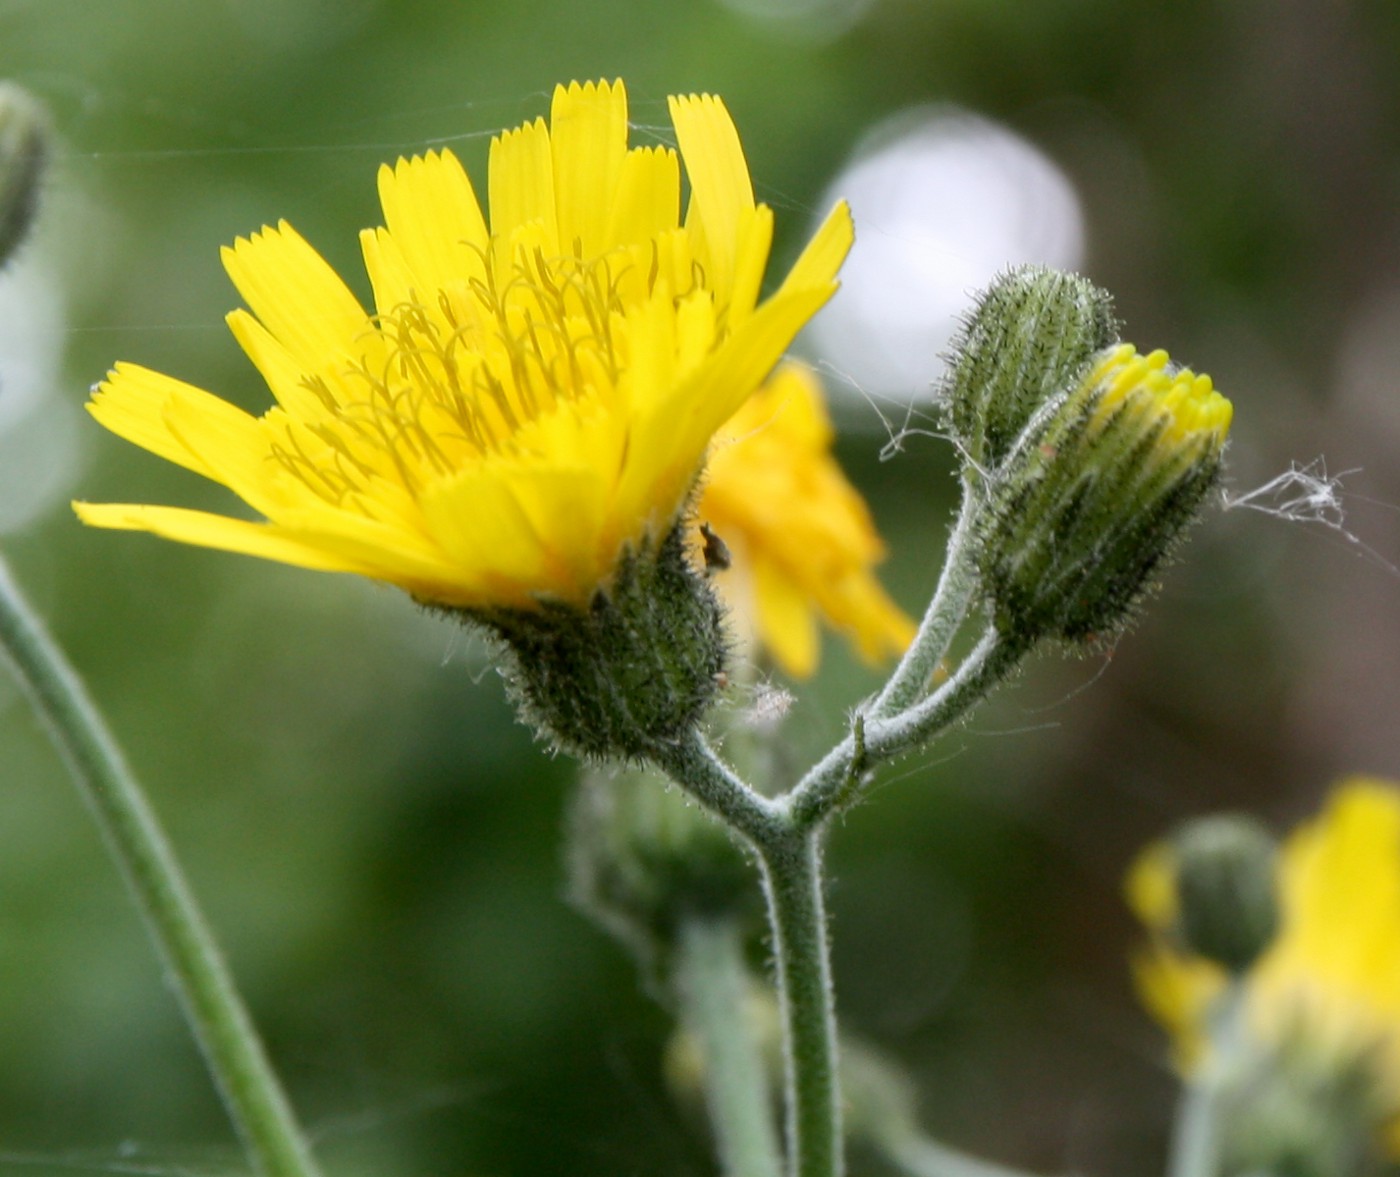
[1027,340]
[1098,490]
[632,671]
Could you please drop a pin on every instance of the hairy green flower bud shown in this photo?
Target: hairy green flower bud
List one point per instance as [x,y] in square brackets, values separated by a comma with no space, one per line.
[632,672]
[1030,337]
[642,857]
[1099,487]
[1306,1111]
[24,146]
[1227,901]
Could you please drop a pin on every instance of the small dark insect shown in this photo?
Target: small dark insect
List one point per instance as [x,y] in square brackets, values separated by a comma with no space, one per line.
[716,551]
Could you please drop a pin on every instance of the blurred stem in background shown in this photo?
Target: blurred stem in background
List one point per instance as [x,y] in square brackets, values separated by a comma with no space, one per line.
[251,1091]
[215,1011]
[713,987]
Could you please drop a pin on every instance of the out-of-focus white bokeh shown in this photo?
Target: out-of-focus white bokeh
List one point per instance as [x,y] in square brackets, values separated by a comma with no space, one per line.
[943,200]
[39,448]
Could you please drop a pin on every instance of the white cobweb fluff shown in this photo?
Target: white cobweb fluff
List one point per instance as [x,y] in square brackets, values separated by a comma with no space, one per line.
[1304,493]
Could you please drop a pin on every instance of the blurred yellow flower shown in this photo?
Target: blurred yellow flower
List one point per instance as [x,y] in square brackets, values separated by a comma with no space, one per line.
[1331,979]
[801,536]
[527,401]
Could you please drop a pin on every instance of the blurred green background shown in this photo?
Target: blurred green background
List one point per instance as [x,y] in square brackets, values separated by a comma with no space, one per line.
[376,840]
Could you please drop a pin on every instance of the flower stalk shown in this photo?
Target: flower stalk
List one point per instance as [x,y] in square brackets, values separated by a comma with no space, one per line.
[232,1050]
[957,587]
[793,884]
[787,837]
[1195,1148]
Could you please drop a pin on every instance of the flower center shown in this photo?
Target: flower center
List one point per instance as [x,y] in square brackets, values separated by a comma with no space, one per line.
[438,386]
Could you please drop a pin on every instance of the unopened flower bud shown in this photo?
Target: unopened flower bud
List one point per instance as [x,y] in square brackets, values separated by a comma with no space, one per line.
[1305,1111]
[24,139]
[1227,897]
[629,673]
[642,857]
[1098,489]
[1031,335]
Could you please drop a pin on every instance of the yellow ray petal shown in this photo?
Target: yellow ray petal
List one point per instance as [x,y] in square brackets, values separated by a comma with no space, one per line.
[215,531]
[231,444]
[431,210]
[588,138]
[648,200]
[819,261]
[394,283]
[787,623]
[296,294]
[670,434]
[480,524]
[521,184]
[284,376]
[755,238]
[134,403]
[719,176]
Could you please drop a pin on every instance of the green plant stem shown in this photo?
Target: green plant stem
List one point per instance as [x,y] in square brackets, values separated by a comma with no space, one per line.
[712,984]
[786,834]
[839,778]
[942,620]
[232,1050]
[792,880]
[1195,1147]
[790,859]
[693,765]
[1196,1137]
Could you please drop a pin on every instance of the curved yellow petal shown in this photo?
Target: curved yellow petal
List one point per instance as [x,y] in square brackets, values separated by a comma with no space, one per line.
[393,281]
[284,375]
[215,531]
[296,294]
[787,622]
[721,190]
[819,261]
[137,403]
[648,198]
[752,243]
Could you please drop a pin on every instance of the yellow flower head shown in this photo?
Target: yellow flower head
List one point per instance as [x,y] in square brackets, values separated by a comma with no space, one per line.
[1330,981]
[532,396]
[802,538]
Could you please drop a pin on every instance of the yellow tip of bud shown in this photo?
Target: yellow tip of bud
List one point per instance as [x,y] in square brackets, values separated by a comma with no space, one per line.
[1186,401]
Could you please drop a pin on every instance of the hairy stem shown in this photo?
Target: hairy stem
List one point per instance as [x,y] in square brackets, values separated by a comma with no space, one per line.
[712,984]
[941,622]
[837,780]
[251,1092]
[792,880]
[790,859]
